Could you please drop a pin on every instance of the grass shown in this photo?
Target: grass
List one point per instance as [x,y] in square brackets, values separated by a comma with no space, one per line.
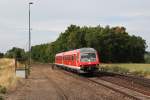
[136,69]
[2,89]
[1,97]
[8,79]
[7,74]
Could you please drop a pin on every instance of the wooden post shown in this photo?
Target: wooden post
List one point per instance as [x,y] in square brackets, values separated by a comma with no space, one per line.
[26,71]
[15,64]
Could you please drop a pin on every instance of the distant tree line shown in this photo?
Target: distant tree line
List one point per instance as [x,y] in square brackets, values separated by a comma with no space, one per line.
[114,44]
[17,53]
[1,55]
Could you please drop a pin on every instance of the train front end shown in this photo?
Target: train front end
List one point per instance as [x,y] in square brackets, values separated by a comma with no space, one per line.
[89,60]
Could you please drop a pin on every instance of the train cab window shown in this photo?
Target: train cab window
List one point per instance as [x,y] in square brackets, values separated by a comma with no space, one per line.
[88,57]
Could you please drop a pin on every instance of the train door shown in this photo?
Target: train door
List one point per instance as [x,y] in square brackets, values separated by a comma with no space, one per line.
[77,59]
[74,59]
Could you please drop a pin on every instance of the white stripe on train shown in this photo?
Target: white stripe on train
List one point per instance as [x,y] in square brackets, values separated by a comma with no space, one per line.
[69,66]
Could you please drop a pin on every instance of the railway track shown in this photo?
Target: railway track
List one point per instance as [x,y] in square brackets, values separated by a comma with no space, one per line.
[129,92]
[121,89]
[139,84]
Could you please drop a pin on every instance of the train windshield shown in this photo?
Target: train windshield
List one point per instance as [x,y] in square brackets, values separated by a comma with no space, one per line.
[88,57]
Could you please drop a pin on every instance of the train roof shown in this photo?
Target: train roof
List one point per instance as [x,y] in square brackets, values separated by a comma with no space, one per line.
[87,50]
[76,50]
[59,54]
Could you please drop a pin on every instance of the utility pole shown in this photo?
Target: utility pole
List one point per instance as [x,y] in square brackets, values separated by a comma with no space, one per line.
[29,58]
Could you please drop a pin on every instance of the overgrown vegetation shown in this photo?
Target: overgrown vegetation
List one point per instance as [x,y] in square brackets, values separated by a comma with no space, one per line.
[2,89]
[7,72]
[2,92]
[7,76]
[115,69]
[1,97]
[134,69]
[113,44]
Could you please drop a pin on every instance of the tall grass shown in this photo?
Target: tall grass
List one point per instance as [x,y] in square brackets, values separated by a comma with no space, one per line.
[135,69]
[7,73]
[8,78]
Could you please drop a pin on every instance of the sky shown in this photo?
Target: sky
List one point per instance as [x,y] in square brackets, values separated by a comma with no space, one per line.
[51,17]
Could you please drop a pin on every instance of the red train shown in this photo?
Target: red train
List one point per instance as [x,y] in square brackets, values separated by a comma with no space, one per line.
[82,60]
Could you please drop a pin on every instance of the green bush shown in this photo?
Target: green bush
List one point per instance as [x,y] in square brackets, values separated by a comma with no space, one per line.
[3,89]
[1,97]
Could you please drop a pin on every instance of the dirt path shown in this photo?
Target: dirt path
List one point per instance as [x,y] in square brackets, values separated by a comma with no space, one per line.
[47,84]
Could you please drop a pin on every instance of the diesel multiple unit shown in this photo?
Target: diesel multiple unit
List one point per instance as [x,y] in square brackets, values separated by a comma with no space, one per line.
[83,59]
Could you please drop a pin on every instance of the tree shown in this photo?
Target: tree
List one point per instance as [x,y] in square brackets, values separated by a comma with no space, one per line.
[16,53]
[136,49]
[113,44]
[1,55]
